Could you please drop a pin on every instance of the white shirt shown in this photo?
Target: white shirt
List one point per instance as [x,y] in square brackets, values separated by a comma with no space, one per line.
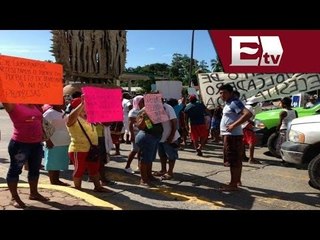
[61,135]
[126,103]
[133,114]
[167,125]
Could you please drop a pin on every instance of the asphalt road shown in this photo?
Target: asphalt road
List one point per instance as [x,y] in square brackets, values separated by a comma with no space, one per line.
[268,186]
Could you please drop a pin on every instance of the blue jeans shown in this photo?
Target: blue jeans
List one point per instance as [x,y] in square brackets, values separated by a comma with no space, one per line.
[20,153]
[148,145]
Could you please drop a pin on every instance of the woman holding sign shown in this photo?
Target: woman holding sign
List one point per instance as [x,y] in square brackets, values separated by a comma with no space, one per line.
[25,146]
[80,130]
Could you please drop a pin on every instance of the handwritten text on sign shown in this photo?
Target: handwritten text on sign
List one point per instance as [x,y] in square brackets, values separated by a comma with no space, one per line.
[246,84]
[103,104]
[154,108]
[298,83]
[30,81]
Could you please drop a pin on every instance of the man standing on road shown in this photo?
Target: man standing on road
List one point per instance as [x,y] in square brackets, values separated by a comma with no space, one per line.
[195,112]
[234,114]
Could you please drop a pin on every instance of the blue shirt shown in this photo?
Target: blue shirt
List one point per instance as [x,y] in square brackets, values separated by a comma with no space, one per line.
[196,112]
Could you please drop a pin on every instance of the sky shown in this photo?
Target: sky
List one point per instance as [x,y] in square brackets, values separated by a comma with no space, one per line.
[145,46]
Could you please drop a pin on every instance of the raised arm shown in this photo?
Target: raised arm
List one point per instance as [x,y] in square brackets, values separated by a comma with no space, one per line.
[73,116]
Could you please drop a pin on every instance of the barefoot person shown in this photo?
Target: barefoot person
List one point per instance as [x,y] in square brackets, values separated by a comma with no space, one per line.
[234,114]
[25,146]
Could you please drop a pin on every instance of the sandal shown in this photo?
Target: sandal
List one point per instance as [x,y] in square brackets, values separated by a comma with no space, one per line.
[146,184]
[60,183]
[38,197]
[102,189]
[18,203]
[239,184]
[107,182]
[254,161]
[166,177]
[199,153]
[228,188]
[158,174]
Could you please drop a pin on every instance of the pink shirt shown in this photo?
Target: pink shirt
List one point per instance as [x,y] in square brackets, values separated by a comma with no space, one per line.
[27,123]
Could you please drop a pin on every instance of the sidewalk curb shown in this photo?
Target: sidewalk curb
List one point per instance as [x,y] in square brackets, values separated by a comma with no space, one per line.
[73,192]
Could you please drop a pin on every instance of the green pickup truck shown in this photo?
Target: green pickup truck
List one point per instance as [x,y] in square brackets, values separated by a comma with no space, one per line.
[266,122]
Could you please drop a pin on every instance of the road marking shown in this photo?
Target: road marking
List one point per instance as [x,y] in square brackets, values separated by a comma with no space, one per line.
[72,191]
[193,199]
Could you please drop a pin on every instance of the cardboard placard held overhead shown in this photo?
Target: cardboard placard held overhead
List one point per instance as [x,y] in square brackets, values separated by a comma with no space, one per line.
[169,89]
[30,81]
[103,104]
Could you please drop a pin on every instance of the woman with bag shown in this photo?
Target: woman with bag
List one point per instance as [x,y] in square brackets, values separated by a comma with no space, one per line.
[147,141]
[83,137]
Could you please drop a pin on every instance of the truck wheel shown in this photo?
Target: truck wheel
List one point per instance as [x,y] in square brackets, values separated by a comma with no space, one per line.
[272,143]
[314,172]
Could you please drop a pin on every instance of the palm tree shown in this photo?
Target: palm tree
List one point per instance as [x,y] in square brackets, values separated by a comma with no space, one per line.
[216,65]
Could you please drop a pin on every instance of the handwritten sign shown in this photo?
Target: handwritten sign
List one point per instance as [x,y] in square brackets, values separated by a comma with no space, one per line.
[247,85]
[298,83]
[30,81]
[154,108]
[103,104]
[169,89]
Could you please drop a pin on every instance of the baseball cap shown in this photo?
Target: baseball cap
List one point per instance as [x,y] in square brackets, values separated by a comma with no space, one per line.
[192,97]
[75,102]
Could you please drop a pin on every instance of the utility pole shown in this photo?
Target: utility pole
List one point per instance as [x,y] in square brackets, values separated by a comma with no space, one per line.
[191,59]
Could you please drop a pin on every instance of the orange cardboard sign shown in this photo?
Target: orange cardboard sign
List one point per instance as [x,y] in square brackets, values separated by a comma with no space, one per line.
[29,81]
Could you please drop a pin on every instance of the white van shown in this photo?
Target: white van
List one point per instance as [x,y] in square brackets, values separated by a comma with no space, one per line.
[303,140]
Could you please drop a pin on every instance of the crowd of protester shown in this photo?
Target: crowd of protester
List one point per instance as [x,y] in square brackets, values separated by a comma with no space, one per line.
[189,123]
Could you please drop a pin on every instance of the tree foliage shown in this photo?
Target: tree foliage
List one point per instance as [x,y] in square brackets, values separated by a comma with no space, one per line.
[178,70]
[216,65]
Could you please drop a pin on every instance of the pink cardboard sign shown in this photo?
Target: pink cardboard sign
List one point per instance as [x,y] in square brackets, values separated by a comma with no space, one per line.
[103,104]
[154,108]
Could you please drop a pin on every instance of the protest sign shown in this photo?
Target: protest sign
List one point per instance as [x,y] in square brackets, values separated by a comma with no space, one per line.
[298,83]
[169,89]
[247,85]
[103,104]
[154,108]
[29,81]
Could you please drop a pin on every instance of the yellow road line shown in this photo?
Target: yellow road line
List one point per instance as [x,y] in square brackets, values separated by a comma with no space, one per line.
[181,196]
[74,192]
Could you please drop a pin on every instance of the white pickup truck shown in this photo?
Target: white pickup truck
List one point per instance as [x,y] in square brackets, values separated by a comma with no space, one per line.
[303,146]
